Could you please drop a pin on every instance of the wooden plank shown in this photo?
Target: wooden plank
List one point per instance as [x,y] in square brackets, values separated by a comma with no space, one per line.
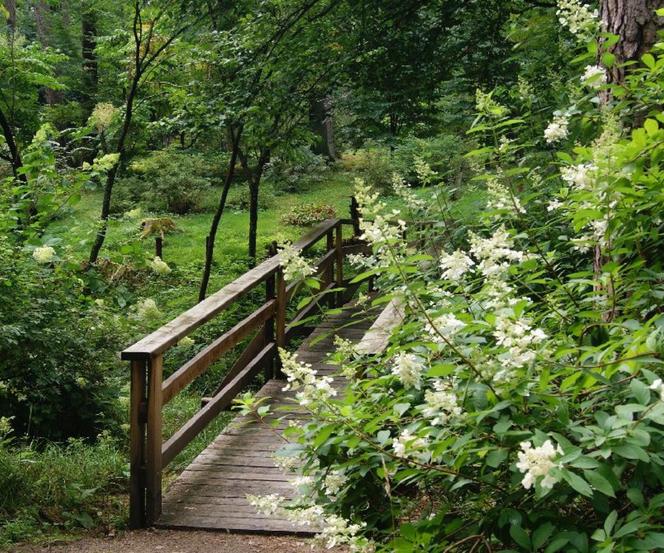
[153,457]
[169,334]
[223,399]
[202,360]
[137,446]
[377,338]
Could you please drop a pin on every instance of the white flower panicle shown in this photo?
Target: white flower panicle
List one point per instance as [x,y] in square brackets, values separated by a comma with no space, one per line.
[295,267]
[160,267]
[557,130]
[408,368]
[403,191]
[334,481]
[554,205]
[499,197]
[43,254]
[581,21]
[301,377]
[580,177]
[408,444]
[147,309]
[495,253]
[537,462]
[441,403]
[658,387]
[425,174]
[266,505]
[594,76]
[454,265]
[444,327]
[518,337]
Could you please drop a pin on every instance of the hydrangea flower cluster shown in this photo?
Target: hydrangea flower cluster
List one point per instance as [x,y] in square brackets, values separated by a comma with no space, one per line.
[537,462]
[455,265]
[147,309]
[408,444]
[43,254]
[594,76]
[558,129]
[301,377]
[441,403]
[581,21]
[518,337]
[408,368]
[495,253]
[658,387]
[403,191]
[295,267]
[501,199]
[159,267]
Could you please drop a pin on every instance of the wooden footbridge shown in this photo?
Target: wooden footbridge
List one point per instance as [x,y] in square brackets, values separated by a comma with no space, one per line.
[211,492]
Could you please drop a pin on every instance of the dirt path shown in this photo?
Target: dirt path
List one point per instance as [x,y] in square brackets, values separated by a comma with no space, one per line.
[173,541]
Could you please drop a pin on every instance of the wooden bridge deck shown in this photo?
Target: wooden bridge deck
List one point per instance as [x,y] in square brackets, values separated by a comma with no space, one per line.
[211,493]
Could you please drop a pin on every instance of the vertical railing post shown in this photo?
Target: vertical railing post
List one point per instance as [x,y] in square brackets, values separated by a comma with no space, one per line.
[280,316]
[355,216]
[329,270]
[268,329]
[154,441]
[137,412]
[339,263]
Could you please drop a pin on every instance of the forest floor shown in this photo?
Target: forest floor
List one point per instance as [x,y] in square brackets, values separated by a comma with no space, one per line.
[170,541]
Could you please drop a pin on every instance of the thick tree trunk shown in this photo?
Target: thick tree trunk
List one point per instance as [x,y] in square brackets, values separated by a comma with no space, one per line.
[214,226]
[636,23]
[322,125]
[10,6]
[90,66]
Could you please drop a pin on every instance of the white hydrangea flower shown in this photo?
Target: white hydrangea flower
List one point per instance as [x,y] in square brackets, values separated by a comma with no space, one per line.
[301,377]
[496,252]
[43,254]
[266,505]
[147,309]
[444,327]
[557,130]
[334,481]
[440,403]
[594,76]
[338,531]
[554,205]
[536,462]
[403,191]
[579,176]
[295,267]
[160,267]
[658,387]
[455,265]
[408,444]
[578,18]
[408,368]
[499,197]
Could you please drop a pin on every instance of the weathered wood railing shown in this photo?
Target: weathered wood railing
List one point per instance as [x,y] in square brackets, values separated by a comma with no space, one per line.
[150,392]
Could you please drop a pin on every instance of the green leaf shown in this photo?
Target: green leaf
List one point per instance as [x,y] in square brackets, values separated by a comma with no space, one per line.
[631,452]
[577,483]
[610,522]
[598,482]
[651,126]
[649,60]
[542,534]
[520,537]
[401,408]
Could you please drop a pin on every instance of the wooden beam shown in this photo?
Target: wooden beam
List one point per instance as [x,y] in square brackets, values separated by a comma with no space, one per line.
[137,445]
[153,458]
[202,360]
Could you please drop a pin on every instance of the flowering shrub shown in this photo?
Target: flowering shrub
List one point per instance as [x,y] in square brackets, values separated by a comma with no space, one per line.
[303,215]
[519,407]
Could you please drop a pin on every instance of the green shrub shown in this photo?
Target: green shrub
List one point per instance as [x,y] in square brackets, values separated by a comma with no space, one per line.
[306,214]
[238,197]
[58,361]
[76,485]
[167,180]
[297,171]
[373,164]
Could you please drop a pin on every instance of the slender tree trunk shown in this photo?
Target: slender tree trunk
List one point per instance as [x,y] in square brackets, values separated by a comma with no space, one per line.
[636,23]
[90,65]
[43,14]
[214,226]
[254,188]
[14,152]
[113,173]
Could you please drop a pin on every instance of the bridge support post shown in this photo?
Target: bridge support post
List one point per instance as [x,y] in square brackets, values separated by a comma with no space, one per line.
[153,444]
[339,262]
[137,420]
[280,315]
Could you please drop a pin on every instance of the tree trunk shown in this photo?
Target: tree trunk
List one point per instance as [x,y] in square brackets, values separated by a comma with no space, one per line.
[214,226]
[14,152]
[636,23]
[90,65]
[10,6]
[43,26]
[322,125]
